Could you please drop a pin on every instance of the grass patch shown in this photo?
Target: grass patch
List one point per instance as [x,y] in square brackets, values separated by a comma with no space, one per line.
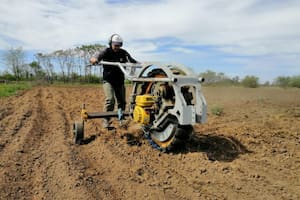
[217,110]
[12,88]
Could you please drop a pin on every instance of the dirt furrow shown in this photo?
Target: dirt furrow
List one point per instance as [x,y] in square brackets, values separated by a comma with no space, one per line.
[18,156]
[251,151]
[85,178]
[37,162]
[57,173]
[90,177]
[14,116]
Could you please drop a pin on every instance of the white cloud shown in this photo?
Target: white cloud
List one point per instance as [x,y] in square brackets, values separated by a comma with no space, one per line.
[249,27]
[53,24]
[182,50]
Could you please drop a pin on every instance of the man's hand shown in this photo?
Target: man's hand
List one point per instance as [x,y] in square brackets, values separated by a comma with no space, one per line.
[93,60]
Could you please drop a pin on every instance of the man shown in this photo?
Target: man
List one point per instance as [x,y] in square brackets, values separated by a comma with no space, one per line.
[113,77]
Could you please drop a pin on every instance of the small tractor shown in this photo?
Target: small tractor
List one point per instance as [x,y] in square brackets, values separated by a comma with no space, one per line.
[166,100]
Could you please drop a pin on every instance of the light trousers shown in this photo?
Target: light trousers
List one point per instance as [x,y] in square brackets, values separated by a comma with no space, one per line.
[111,92]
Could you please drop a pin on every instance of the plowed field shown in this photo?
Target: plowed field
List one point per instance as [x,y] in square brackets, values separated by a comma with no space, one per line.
[251,151]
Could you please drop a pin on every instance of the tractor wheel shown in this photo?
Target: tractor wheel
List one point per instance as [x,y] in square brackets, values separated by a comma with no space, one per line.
[173,135]
[172,138]
[78,131]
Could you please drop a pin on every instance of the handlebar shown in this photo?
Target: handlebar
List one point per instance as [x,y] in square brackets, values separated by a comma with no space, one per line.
[127,68]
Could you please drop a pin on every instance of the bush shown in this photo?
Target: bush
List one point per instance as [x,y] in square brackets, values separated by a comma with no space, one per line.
[93,79]
[295,81]
[8,77]
[218,79]
[282,81]
[250,81]
[286,81]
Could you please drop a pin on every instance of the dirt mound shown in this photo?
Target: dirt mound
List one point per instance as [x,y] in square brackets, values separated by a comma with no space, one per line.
[252,151]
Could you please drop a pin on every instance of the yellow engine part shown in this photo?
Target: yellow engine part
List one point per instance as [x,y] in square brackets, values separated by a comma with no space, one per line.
[145,100]
[140,115]
[84,114]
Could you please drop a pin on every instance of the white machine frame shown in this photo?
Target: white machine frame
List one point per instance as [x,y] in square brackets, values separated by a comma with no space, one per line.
[185,114]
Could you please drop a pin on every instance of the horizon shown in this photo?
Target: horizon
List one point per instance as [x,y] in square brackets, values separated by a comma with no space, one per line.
[30,57]
[252,37]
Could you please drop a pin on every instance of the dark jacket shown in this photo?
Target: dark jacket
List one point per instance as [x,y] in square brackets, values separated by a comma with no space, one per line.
[113,74]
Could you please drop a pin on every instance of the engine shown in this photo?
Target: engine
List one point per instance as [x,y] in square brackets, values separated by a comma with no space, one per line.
[144,108]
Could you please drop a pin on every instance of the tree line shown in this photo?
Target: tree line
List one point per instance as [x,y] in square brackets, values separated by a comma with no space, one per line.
[72,66]
[251,81]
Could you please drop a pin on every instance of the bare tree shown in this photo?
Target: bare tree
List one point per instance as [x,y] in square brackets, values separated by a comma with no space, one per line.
[70,61]
[15,59]
[62,61]
[44,60]
[85,52]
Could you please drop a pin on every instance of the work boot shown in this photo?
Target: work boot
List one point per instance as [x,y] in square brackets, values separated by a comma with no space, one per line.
[120,114]
[105,123]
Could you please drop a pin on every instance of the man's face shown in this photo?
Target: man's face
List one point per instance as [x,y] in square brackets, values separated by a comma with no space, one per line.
[115,47]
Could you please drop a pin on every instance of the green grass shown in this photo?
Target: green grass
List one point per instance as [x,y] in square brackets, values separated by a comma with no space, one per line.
[217,110]
[12,88]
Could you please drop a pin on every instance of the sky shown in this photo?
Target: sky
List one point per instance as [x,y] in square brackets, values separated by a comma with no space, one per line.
[238,38]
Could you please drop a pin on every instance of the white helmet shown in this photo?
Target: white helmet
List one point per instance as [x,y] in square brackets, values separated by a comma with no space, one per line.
[115,39]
